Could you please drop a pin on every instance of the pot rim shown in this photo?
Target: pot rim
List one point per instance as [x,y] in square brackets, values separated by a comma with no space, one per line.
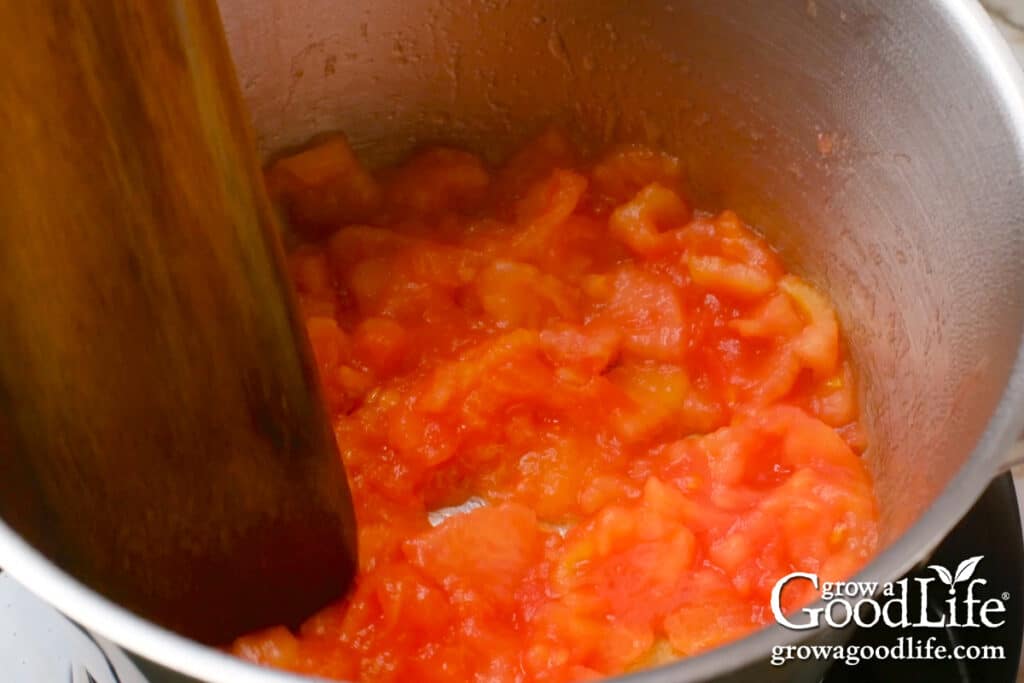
[987,459]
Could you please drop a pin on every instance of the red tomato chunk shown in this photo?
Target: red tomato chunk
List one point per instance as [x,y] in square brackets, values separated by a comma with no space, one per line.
[659,420]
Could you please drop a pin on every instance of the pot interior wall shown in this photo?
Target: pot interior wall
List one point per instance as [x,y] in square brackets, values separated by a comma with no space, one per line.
[857,135]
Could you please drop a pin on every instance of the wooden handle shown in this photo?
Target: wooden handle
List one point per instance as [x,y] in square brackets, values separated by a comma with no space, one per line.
[161,432]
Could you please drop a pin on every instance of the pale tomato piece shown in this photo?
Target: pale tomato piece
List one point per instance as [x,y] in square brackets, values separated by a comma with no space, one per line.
[622,173]
[410,601]
[772,379]
[442,266]
[271,647]
[454,380]
[646,541]
[640,222]
[590,348]
[649,310]
[544,209]
[324,187]
[729,277]
[775,318]
[547,478]
[661,396]
[343,383]
[330,344]
[697,627]
[515,294]
[818,344]
[436,180]
[489,548]
[355,243]
[550,149]
[834,402]
[822,503]
[382,344]
[370,282]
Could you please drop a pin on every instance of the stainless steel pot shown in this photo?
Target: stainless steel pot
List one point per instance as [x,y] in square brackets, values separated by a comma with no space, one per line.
[880,144]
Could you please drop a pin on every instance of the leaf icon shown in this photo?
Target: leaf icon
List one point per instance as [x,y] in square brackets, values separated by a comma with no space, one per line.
[965,570]
[943,573]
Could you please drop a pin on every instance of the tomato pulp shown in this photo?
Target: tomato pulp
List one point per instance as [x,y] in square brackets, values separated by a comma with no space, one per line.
[652,420]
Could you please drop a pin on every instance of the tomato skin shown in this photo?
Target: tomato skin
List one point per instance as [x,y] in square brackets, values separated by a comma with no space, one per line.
[644,419]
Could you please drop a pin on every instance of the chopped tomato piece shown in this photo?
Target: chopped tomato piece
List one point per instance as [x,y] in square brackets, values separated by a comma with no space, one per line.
[737,279]
[591,348]
[818,344]
[382,344]
[487,550]
[640,222]
[274,647]
[437,180]
[520,295]
[324,187]
[648,309]
[622,173]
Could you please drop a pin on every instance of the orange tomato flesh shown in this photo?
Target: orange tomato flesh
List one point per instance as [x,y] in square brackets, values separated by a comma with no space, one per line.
[660,420]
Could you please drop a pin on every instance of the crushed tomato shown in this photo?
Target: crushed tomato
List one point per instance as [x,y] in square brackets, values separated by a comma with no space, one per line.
[658,420]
